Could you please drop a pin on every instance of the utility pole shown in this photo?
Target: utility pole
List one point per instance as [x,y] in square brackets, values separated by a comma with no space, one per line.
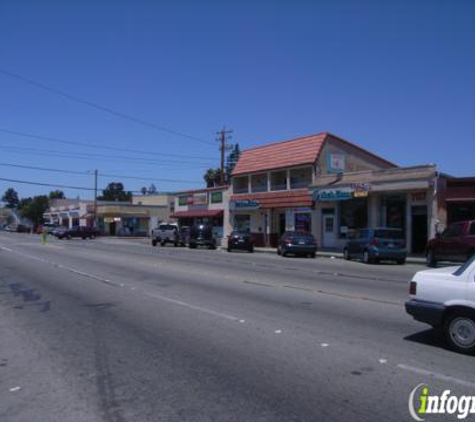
[95,198]
[223,137]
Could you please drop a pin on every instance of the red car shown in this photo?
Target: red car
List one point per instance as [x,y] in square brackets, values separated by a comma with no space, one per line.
[455,243]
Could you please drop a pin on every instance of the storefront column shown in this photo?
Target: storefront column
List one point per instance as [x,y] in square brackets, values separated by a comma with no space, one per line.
[408,223]
[434,221]
[373,211]
[268,227]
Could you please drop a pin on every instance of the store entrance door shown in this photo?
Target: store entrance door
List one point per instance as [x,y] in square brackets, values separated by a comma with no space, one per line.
[329,231]
[419,229]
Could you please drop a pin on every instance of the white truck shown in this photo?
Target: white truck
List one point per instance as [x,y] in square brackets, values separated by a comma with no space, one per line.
[167,233]
[445,298]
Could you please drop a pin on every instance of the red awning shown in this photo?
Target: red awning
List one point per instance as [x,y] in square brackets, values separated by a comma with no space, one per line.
[198,214]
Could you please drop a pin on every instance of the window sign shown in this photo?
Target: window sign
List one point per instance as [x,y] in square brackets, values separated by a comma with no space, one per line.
[200,199]
[336,163]
[217,197]
[183,200]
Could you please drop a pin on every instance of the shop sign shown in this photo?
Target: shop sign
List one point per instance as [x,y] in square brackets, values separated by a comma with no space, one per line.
[360,194]
[185,200]
[245,204]
[200,199]
[217,197]
[327,195]
[418,197]
[336,163]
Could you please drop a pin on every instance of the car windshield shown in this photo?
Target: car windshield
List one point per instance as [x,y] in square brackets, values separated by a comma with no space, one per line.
[467,264]
[388,234]
[167,227]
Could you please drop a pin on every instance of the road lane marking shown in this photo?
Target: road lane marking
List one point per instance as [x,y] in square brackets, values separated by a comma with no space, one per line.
[437,376]
[190,306]
[63,267]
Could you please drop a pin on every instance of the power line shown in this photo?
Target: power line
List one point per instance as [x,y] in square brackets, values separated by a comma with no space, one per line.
[88,156]
[85,144]
[101,108]
[87,173]
[51,185]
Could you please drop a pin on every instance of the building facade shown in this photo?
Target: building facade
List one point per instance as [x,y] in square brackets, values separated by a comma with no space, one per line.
[270,186]
[202,206]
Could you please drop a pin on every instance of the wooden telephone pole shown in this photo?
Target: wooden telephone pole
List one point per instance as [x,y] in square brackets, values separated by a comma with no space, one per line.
[223,138]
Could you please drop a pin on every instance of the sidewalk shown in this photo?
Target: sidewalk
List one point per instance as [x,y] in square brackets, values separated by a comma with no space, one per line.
[411,259]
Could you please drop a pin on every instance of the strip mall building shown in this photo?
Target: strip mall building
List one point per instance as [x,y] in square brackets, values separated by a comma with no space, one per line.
[331,187]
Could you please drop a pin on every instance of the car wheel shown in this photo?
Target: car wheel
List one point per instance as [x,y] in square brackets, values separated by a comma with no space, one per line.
[313,255]
[460,333]
[229,249]
[367,257]
[175,244]
[84,238]
[430,259]
[162,243]
[279,252]
[346,254]
[283,253]
[68,237]
[251,249]
[401,261]
[92,236]
[154,242]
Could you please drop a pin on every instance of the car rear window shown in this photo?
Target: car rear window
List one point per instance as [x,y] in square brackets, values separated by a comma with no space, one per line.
[167,227]
[388,234]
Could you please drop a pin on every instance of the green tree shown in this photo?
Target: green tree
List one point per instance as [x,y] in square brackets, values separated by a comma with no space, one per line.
[56,194]
[212,177]
[34,208]
[10,198]
[115,192]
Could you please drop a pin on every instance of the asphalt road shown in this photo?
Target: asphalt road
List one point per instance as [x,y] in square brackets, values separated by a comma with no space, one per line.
[116,330]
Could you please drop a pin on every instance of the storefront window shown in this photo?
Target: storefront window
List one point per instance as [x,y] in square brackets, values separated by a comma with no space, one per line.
[303,222]
[240,184]
[353,215]
[300,178]
[278,180]
[395,211]
[242,222]
[259,182]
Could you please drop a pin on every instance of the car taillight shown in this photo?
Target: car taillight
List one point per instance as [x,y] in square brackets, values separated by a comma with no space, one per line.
[413,288]
[374,241]
[288,241]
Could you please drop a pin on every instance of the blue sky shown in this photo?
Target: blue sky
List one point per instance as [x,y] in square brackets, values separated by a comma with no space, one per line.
[397,78]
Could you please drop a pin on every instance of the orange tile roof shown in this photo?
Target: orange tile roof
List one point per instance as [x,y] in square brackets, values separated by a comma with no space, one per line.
[295,152]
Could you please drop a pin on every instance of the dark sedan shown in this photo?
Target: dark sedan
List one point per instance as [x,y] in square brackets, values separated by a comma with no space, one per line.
[297,243]
[241,241]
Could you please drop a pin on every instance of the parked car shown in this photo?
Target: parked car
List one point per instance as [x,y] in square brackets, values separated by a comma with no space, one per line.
[445,298]
[240,240]
[202,235]
[167,233]
[376,244]
[456,243]
[76,231]
[297,243]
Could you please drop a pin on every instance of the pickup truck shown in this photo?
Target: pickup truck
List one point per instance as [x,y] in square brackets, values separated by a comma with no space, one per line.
[167,233]
[456,243]
[445,299]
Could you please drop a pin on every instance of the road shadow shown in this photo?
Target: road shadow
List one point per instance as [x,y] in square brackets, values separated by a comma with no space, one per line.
[430,337]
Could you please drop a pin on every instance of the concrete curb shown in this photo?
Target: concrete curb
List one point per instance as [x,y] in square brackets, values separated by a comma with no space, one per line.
[339,255]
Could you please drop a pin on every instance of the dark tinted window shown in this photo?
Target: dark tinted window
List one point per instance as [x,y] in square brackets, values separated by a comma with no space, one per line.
[388,234]
[167,227]
[472,229]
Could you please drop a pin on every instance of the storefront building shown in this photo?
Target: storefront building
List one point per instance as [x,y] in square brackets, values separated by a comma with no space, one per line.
[270,192]
[457,199]
[111,218]
[202,206]
[403,198]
